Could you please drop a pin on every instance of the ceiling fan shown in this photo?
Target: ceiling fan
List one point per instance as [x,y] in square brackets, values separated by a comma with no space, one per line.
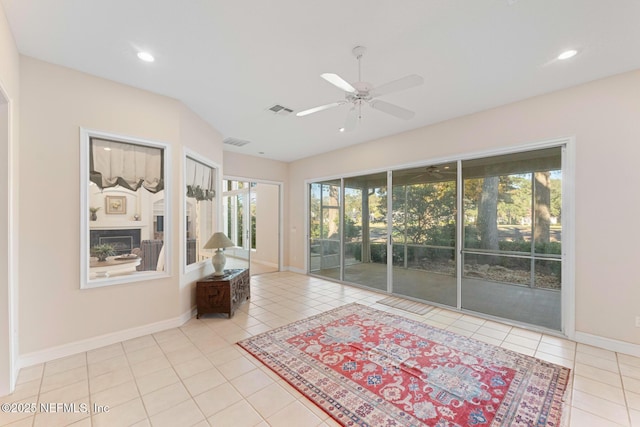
[360,93]
[441,172]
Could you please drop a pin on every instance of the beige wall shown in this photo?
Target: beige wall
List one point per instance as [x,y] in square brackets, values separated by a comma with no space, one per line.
[56,102]
[199,137]
[9,85]
[603,118]
[5,250]
[243,166]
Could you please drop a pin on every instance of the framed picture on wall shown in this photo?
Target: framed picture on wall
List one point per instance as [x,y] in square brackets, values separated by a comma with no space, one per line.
[116,204]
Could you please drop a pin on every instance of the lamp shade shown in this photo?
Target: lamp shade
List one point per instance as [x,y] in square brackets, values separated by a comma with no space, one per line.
[218,240]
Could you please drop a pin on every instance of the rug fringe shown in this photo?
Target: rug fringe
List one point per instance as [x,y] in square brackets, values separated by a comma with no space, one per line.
[407,305]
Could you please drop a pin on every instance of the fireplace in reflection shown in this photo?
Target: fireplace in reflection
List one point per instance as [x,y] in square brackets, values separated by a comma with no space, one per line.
[123,240]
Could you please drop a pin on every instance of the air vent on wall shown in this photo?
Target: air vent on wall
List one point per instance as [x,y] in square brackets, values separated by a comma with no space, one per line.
[235,142]
[280,110]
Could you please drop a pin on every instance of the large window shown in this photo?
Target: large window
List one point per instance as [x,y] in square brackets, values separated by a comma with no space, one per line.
[200,207]
[125,217]
[482,234]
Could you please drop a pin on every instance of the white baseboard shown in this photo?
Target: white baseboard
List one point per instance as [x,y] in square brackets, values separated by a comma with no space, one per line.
[295,270]
[608,344]
[46,355]
[265,263]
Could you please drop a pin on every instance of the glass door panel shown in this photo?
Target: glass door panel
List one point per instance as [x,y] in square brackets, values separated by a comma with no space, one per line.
[424,233]
[511,253]
[324,229]
[237,216]
[265,228]
[365,230]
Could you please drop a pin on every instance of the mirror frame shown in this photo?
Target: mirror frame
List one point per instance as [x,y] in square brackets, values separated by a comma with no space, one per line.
[85,281]
[198,265]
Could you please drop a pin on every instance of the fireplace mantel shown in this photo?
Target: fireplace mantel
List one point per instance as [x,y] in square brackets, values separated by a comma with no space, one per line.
[132,226]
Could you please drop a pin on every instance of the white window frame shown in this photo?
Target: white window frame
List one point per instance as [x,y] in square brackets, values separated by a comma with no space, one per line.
[85,281]
[568,144]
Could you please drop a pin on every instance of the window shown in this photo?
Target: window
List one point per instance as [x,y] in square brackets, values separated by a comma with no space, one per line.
[200,207]
[125,209]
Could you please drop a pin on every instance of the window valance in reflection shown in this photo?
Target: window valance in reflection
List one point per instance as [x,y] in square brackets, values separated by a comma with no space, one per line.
[131,166]
[200,180]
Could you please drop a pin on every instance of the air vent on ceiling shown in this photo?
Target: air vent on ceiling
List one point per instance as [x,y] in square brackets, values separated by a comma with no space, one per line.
[235,142]
[280,110]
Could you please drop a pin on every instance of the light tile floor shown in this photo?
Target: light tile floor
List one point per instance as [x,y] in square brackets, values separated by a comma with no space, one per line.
[195,375]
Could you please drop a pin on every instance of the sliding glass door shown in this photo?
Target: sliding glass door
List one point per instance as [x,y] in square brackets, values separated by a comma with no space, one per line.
[513,235]
[365,230]
[324,229]
[482,235]
[424,233]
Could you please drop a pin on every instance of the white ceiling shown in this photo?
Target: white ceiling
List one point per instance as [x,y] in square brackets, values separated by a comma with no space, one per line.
[230,61]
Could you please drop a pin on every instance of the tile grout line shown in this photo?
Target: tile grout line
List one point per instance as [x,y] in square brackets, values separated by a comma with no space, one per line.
[624,391]
[135,378]
[86,358]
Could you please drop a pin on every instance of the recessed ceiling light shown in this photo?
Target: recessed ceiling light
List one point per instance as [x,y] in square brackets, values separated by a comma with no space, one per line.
[146,56]
[568,54]
[341,129]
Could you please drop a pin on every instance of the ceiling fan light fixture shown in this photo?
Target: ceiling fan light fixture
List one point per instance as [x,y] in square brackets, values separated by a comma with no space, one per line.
[567,54]
[146,57]
[362,93]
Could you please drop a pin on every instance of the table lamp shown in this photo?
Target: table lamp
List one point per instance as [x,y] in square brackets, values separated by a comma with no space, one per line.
[218,241]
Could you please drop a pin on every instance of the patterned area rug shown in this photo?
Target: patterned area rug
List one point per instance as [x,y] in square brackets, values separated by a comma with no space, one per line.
[406,305]
[366,367]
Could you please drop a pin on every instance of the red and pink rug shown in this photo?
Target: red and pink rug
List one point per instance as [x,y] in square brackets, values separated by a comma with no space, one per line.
[366,367]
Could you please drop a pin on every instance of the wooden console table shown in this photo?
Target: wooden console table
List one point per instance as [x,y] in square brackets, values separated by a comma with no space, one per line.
[223,294]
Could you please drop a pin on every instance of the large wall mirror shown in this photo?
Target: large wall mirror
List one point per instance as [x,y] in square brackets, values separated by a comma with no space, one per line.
[200,206]
[125,211]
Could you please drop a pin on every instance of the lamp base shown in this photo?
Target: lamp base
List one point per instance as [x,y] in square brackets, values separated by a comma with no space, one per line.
[218,260]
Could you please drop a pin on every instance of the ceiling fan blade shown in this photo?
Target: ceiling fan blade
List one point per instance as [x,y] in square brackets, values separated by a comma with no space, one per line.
[318,108]
[394,110]
[398,85]
[351,121]
[339,82]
